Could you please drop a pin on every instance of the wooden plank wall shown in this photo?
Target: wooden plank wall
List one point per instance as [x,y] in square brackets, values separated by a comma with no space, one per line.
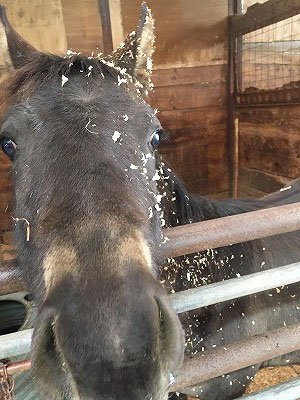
[40,22]
[82,25]
[269,148]
[269,140]
[190,64]
[191,108]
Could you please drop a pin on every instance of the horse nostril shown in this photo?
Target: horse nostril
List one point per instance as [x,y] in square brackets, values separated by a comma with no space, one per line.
[28,297]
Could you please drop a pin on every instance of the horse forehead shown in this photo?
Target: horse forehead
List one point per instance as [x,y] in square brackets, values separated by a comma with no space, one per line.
[102,102]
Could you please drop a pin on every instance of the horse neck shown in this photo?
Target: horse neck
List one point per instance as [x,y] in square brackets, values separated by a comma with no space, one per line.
[180,208]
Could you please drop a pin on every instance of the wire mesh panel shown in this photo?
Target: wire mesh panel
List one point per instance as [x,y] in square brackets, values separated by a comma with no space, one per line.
[268,61]
[271,55]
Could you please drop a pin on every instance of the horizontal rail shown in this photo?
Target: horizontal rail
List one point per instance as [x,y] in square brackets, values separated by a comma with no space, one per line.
[238,355]
[199,236]
[285,391]
[17,367]
[10,280]
[18,343]
[234,288]
[15,344]
[214,363]
[187,239]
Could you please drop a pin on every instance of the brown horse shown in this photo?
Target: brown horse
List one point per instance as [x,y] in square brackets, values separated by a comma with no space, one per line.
[82,142]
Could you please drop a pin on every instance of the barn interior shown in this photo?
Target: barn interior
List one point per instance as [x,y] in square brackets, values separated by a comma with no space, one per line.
[226,86]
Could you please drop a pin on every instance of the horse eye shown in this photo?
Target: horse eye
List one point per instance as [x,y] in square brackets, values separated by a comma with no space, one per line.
[155,139]
[8,147]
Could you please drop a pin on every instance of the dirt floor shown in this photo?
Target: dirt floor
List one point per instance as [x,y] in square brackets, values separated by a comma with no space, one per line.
[267,377]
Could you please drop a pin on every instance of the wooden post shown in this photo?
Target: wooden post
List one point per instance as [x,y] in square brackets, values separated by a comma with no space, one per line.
[236,158]
[106,26]
[230,89]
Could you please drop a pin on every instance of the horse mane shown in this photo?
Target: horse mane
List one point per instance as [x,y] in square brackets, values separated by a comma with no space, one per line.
[195,208]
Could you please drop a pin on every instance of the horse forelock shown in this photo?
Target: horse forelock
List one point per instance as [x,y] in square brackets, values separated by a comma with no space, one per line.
[20,84]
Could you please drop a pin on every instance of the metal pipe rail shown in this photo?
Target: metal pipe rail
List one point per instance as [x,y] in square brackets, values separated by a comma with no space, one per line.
[15,344]
[187,239]
[10,280]
[238,355]
[217,362]
[287,391]
[199,236]
[17,367]
[234,288]
[19,343]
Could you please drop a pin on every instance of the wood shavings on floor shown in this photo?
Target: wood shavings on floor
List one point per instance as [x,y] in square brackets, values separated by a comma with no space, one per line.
[271,376]
[267,377]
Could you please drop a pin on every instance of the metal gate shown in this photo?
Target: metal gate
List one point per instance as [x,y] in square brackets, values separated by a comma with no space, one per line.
[196,237]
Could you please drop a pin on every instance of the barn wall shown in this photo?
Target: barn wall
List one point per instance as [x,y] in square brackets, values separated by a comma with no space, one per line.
[40,22]
[189,79]
[269,148]
[82,25]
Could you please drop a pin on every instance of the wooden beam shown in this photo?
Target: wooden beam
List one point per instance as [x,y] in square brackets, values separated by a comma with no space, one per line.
[83,26]
[117,31]
[236,159]
[261,15]
[230,95]
[106,26]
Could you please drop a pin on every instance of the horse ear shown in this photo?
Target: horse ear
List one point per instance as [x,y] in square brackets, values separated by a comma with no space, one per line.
[135,54]
[15,50]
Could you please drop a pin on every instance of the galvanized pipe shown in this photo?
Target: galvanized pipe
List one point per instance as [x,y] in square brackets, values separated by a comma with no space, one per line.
[15,344]
[290,390]
[19,343]
[238,355]
[10,280]
[234,288]
[223,360]
[187,239]
[285,391]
